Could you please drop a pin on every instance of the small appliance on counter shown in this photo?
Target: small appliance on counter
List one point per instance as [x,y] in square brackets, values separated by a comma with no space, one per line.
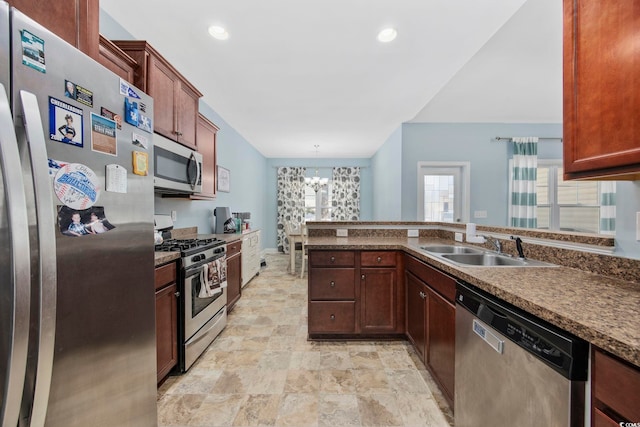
[162,226]
[224,223]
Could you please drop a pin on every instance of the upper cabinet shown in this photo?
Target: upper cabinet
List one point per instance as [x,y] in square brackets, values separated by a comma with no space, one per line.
[175,100]
[75,21]
[113,58]
[601,100]
[206,145]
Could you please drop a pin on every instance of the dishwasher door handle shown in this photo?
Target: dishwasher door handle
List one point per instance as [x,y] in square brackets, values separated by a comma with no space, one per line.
[487,336]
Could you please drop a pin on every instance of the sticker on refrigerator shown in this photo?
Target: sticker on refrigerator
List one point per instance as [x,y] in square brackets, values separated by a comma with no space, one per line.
[140,163]
[116,179]
[131,112]
[144,123]
[65,122]
[33,51]
[55,166]
[103,135]
[83,222]
[78,93]
[139,140]
[76,186]
[113,116]
[127,90]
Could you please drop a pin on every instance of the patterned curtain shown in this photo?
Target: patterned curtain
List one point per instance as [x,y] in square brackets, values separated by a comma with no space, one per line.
[525,171]
[290,201]
[608,207]
[345,194]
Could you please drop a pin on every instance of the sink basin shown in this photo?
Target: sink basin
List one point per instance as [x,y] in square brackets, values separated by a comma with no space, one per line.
[450,249]
[486,259]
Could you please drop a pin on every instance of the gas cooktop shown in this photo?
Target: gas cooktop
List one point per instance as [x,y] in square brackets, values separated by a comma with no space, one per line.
[189,246]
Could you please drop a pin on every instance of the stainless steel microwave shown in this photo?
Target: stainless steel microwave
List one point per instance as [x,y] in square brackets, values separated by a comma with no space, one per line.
[177,169]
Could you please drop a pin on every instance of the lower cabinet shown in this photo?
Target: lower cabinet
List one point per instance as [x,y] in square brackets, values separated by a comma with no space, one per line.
[166,319]
[355,293]
[430,321]
[234,274]
[615,387]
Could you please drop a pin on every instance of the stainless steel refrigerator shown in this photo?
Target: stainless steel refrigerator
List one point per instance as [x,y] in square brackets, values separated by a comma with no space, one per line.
[77,304]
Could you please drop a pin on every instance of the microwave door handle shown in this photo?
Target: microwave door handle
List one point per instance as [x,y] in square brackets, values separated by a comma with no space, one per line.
[193,182]
[20,274]
[47,249]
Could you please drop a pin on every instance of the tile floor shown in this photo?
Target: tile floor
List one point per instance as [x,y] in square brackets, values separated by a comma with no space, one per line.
[262,371]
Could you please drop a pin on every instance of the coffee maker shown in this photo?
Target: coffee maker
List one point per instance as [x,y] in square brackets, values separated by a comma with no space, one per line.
[225,223]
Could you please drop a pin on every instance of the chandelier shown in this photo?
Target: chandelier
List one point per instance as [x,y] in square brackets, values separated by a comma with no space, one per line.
[316,182]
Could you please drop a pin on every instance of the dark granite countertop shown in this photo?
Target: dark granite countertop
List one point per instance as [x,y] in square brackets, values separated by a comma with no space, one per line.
[599,309]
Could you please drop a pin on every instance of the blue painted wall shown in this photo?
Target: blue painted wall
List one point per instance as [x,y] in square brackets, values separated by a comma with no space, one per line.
[386,166]
[475,143]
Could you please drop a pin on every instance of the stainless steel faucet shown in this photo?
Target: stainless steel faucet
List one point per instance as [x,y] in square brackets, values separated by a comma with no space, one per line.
[495,242]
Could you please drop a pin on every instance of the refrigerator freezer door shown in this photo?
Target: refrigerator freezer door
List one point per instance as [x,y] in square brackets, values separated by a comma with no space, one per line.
[14,271]
[104,359]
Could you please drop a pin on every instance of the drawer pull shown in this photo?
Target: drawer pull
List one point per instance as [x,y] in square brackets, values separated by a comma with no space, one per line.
[332,284]
[362,277]
[177,294]
[379,260]
[423,295]
[332,317]
[333,259]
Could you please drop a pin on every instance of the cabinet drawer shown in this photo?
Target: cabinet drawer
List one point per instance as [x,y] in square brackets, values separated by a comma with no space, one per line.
[234,248]
[332,317]
[332,284]
[165,274]
[332,258]
[600,419]
[440,282]
[378,259]
[616,385]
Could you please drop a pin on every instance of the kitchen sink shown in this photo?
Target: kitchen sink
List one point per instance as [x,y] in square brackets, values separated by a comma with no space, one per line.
[488,259]
[450,249]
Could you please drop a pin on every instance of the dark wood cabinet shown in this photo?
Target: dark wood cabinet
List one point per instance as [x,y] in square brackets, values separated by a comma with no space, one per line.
[601,64]
[430,321]
[166,319]
[75,21]
[615,387]
[234,275]
[175,100]
[206,145]
[381,306]
[113,58]
[355,293]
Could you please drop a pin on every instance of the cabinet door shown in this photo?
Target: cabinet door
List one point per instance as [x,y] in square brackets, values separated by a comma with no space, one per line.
[234,281]
[601,64]
[161,83]
[378,302]
[416,320]
[166,330]
[206,145]
[186,115]
[440,352]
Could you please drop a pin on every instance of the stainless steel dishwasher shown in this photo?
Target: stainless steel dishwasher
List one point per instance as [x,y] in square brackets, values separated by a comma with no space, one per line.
[513,369]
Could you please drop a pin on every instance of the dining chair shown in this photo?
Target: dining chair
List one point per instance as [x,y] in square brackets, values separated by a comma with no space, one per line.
[304,238]
[292,232]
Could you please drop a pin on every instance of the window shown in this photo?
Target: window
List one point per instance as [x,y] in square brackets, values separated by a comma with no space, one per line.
[317,206]
[442,191]
[578,206]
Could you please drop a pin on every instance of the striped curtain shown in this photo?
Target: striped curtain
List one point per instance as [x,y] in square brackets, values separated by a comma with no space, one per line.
[525,171]
[608,207]
[345,194]
[291,190]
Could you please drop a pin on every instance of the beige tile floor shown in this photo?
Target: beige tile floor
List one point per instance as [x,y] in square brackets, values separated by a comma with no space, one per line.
[262,371]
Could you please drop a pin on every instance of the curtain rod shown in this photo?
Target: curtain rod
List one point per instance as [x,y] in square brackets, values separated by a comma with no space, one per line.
[509,138]
[320,167]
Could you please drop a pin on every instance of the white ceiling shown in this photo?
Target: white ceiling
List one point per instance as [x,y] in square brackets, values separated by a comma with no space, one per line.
[298,73]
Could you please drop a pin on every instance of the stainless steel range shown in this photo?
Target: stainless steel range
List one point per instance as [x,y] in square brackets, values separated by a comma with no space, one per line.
[203,294]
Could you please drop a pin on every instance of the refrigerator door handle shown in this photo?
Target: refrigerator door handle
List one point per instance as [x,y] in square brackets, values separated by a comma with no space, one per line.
[47,249]
[20,266]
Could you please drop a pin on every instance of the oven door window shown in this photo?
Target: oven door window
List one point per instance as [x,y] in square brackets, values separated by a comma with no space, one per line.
[197,303]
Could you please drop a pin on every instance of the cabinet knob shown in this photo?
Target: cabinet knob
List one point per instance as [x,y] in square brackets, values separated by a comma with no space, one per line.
[379,260]
[333,259]
[177,294]
[423,295]
[332,317]
[332,284]
[178,133]
[362,277]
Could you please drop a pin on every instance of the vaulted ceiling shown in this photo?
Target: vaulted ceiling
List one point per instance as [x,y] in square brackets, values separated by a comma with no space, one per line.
[294,73]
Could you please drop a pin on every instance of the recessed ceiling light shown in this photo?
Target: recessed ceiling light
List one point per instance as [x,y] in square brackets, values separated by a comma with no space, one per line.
[387,35]
[218,32]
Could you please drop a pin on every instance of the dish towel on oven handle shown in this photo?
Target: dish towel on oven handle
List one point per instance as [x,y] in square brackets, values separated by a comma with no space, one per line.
[209,282]
[221,264]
